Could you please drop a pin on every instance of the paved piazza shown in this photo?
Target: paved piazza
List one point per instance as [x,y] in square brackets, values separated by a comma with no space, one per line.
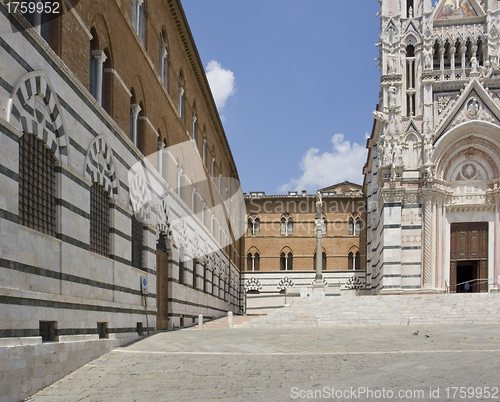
[459,363]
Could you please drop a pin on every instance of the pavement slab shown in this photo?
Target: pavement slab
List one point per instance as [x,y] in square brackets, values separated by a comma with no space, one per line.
[453,362]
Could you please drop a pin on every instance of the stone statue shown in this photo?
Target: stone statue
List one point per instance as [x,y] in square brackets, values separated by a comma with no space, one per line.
[392,96]
[427,59]
[427,150]
[319,199]
[486,70]
[381,116]
[473,63]
[391,64]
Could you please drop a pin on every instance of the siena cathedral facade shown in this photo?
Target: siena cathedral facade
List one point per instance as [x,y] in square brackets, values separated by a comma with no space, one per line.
[432,175]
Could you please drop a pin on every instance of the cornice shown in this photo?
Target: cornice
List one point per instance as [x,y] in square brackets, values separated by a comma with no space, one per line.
[186,36]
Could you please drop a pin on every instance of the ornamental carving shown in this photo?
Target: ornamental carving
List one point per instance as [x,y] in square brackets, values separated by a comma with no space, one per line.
[473,111]
[285,282]
[353,283]
[442,103]
[253,284]
[469,171]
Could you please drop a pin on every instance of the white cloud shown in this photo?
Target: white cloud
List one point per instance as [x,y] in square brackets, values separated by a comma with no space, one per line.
[344,162]
[221,83]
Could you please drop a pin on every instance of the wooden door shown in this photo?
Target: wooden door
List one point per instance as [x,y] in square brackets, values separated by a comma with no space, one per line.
[469,242]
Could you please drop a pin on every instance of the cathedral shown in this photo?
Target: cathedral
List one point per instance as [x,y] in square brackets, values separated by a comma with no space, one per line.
[432,176]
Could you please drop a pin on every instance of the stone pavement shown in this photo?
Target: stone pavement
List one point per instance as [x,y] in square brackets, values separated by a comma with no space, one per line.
[272,364]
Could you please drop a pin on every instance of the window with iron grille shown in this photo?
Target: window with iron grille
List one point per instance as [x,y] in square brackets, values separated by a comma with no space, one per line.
[48,331]
[37,185]
[137,241]
[99,220]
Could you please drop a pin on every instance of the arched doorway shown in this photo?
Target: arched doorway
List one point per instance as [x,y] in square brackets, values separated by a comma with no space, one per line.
[469,257]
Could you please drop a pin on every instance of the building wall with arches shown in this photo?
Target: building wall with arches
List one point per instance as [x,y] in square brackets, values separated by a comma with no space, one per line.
[281,230]
[85,200]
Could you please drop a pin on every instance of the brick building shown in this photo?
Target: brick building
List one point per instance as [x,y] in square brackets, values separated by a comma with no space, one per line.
[280,245]
[114,170]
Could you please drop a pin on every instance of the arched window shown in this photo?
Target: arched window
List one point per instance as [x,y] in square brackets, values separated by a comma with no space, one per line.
[253,226]
[182,99]
[194,130]
[204,151]
[139,19]
[137,242]
[99,220]
[357,261]
[163,60]
[286,226]
[351,226]
[135,109]
[100,63]
[350,261]
[37,185]
[357,227]
[323,227]
[286,261]
[253,262]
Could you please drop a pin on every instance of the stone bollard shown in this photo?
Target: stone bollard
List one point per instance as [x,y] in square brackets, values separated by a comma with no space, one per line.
[318,323]
[200,321]
[230,319]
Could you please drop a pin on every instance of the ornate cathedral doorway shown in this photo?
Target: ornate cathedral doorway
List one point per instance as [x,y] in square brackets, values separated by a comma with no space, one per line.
[161,283]
[469,257]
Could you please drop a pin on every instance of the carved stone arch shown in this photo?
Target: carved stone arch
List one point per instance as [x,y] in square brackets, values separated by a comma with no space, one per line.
[411,39]
[34,108]
[476,136]
[478,157]
[99,166]
[286,250]
[139,195]
[163,218]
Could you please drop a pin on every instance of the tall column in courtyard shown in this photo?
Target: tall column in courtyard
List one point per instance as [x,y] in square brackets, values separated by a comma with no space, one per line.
[318,282]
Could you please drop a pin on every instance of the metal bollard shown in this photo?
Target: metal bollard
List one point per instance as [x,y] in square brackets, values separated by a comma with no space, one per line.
[200,321]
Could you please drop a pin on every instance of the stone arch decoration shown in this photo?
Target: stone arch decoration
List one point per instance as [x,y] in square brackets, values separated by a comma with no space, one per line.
[285,282]
[34,108]
[253,284]
[353,283]
[99,166]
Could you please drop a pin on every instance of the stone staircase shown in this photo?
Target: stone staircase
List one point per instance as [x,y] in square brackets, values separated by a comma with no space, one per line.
[412,309]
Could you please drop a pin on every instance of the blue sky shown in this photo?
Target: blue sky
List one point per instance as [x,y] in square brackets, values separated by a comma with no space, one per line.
[299,83]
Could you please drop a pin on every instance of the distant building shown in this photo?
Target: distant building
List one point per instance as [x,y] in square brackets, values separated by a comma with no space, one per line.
[280,244]
[432,177]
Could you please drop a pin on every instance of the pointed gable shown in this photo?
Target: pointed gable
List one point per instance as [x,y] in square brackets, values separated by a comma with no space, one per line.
[475,103]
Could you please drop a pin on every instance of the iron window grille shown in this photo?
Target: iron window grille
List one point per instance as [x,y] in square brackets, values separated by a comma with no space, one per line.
[99,220]
[137,242]
[37,185]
